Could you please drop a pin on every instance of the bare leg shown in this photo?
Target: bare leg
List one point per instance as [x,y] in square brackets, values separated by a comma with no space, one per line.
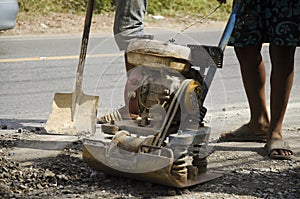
[254,79]
[282,75]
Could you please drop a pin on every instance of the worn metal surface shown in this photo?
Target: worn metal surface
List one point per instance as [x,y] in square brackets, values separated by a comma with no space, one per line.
[159,167]
[84,121]
[164,144]
[157,54]
[75,113]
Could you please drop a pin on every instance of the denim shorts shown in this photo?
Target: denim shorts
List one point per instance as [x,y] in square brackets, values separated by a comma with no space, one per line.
[267,21]
[129,21]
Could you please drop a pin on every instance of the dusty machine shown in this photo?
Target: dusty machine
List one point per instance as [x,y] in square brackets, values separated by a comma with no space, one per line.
[167,142]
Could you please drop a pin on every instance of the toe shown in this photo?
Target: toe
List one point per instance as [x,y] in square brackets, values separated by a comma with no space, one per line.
[281,152]
[288,153]
[274,152]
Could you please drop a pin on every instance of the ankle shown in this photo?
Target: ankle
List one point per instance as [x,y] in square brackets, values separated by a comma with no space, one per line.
[259,128]
[260,122]
[276,134]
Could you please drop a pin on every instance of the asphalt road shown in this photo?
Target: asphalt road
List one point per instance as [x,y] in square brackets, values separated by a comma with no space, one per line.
[33,68]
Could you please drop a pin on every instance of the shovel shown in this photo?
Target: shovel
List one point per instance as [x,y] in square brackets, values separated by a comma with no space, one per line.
[75,113]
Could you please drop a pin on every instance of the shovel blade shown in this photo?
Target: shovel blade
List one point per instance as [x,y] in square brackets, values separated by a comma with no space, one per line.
[60,119]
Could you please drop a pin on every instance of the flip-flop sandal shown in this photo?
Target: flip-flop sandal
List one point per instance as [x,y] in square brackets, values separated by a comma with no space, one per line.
[243,134]
[278,144]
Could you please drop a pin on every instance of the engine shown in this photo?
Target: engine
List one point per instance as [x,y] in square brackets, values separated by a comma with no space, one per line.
[155,84]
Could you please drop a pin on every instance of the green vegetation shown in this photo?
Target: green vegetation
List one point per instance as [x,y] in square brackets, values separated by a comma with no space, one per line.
[188,7]
[63,6]
[156,7]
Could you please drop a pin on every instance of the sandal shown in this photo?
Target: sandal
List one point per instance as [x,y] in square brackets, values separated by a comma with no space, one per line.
[278,144]
[243,134]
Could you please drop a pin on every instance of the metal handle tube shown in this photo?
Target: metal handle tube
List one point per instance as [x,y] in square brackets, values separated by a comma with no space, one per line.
[230,25]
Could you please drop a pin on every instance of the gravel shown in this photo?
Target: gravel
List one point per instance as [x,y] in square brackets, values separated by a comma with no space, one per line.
[248,173]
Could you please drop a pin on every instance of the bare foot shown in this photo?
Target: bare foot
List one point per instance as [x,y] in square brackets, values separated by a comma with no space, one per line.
[243,134]
[277,147]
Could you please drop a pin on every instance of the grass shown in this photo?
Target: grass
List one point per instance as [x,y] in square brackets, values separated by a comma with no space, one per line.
[63,6]
[194,8]
[170,8]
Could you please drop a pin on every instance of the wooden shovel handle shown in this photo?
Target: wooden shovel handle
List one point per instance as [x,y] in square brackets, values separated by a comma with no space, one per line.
[84,44]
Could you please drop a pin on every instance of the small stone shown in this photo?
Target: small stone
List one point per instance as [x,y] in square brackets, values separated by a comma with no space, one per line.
[63,177]
[48,173]
[39,186]
[93,174]
[158,17]
[4,169]
[172,192]
[23,187]
[43,194]
[270,190]
[244,171]
[28,180]
[67,191]
[185,191]
[44,26]
[4,126]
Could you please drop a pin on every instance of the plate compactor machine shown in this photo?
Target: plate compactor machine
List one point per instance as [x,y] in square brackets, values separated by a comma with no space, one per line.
[166,142]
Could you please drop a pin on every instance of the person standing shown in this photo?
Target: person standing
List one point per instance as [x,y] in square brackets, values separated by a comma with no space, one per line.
[276,22]
[128,26]
[129,22]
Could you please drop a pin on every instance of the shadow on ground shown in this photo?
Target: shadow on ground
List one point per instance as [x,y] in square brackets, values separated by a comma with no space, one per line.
[28,124]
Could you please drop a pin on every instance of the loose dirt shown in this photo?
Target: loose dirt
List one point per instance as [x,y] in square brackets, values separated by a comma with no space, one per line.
[62,23]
